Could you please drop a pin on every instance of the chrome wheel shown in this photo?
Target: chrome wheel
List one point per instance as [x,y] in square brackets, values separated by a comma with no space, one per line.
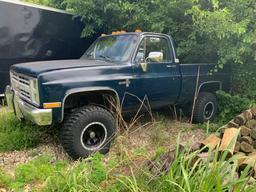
[208,110]
[93,136]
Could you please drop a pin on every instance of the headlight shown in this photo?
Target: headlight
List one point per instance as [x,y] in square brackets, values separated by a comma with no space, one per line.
[34,91]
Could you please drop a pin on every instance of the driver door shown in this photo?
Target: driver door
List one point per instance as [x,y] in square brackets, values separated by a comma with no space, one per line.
[157,78]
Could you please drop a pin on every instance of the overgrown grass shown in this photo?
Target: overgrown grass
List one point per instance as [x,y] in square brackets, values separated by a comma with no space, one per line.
[125,169]
[15,135]
[96,174]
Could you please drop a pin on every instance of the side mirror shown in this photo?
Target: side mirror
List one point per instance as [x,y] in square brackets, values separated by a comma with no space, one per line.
[177,60]
[155,57]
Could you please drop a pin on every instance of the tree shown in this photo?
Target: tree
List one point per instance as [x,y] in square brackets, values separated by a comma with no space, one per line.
[205,30]
[230,27]
[60,4]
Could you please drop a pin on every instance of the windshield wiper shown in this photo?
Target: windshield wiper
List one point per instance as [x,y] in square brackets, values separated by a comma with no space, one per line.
[106,58]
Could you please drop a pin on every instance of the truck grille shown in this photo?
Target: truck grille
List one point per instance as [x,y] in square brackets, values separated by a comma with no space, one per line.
[21,84]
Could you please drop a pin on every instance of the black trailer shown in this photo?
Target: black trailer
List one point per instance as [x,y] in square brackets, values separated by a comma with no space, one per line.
[34,33]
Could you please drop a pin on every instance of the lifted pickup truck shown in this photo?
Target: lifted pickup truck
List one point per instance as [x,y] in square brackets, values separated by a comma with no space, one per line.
[77,92]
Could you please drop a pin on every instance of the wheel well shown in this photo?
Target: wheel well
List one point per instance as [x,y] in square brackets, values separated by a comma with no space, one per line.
[107,99]
[211,87]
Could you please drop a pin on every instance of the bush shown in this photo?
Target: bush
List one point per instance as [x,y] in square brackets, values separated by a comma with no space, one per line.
[229,106]
[243,81]
[16,135]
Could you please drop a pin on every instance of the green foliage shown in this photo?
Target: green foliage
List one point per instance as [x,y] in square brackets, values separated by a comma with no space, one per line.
[213,127]
[85,175]
[243,81]
[60,4]
[5,180]
[39,2]
[110,15]
[15,135]
[36,171]
[229,106]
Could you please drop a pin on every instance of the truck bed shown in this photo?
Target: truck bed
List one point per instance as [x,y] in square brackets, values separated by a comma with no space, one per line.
[189,73]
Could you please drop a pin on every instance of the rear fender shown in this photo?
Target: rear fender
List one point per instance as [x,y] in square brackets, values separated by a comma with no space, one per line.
[210,86]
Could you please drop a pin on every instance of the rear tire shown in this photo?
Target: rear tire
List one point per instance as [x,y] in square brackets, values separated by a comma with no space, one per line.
[205,107]
[88,130]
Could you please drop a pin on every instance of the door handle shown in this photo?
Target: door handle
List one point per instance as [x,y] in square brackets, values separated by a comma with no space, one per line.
[171,66]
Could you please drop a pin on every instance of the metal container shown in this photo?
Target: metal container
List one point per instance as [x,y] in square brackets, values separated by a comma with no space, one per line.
[34,33]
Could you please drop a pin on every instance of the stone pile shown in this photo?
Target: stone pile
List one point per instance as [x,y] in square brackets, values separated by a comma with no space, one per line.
[236,139]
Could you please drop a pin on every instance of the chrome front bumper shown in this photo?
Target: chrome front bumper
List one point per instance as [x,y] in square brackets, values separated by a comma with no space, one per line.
[23,110]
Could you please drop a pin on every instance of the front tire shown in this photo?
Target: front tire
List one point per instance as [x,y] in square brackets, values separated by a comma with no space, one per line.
[205,107]
[88,130]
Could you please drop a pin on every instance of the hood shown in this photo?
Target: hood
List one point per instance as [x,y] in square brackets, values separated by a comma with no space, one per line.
[35,68]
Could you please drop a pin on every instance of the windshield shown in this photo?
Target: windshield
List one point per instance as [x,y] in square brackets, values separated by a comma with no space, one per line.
[116,48]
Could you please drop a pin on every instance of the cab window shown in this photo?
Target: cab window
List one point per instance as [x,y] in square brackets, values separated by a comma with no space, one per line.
[154,46]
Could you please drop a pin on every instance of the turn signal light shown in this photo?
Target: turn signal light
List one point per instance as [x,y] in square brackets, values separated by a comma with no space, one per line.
[52,105]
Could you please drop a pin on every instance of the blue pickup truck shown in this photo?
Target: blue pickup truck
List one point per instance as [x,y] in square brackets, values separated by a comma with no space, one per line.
[117,70]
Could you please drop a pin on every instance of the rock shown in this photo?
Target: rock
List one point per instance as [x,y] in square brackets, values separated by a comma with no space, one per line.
[163,164]
[239,157]
[251,124]
[252,154]
[253,133]
[247,139]
[249,161]
[247,148]
[195,146]
[247,115]
[205,156]
[253,111]
[254,144]
[240,120]
[232,124]
[245,131]
[237,147]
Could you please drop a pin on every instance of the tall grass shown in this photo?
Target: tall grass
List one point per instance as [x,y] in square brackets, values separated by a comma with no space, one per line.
[16,135]
[97,174]
[124,170]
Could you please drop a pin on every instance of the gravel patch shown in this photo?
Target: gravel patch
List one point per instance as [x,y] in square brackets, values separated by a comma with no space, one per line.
[49,146]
